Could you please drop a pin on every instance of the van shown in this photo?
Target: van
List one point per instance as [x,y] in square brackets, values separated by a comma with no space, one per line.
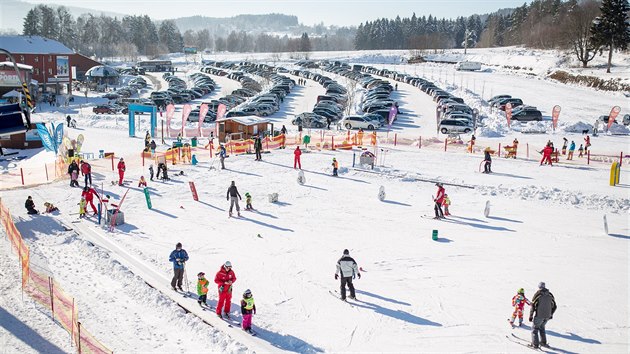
[468,65]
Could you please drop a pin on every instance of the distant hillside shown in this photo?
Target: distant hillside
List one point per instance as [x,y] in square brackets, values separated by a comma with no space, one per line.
[247,23]
[12,13]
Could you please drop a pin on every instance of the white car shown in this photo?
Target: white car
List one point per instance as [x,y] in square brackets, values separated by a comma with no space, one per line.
[455,126]
[356,122]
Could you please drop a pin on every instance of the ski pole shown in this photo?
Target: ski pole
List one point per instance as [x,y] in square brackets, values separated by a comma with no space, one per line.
[186,277]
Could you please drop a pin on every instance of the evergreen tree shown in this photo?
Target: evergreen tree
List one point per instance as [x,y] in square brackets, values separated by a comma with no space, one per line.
[32,23]
[305,43]
[612,28]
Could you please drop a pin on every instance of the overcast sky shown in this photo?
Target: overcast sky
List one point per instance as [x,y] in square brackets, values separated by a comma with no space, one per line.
[331,12]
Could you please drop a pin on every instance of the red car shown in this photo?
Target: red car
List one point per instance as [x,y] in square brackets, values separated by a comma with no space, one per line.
[104,109]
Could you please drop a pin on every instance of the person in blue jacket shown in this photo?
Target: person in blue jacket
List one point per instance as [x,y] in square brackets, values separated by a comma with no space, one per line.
[179,257]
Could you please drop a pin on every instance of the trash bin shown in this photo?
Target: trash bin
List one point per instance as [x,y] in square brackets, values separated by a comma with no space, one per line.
[193,142]
[177,144]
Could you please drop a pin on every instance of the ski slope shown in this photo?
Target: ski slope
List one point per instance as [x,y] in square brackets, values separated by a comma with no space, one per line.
[415,294]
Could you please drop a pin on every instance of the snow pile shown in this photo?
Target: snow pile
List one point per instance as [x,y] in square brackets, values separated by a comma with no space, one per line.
[618,129]
[532,127]
[577,127]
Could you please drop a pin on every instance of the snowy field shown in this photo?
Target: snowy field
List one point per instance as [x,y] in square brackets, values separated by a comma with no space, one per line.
[415,294]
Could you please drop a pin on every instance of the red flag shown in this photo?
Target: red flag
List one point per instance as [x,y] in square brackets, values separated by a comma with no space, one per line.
[170,111]
[203,110]
[193,190]
[185,113]
[221,111]
[555,114]
[613,115]
[508,113]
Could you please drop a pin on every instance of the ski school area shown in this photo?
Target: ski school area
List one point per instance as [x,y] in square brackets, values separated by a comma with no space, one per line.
[102,282]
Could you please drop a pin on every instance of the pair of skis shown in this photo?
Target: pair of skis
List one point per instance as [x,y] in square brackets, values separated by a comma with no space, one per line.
[518,340]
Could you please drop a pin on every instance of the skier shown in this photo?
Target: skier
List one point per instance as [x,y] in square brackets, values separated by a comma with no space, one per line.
[487,167]
[587,144]
[147,141]
[248,202]
[73,171]
[258,148]
[30,206]
[347,268]
[142,182]
[50,207]
[439,198]
[224,279]
[283,130]
[86,170]
[543,308]
[296,160]
[328,121]
[580,151]
[179,257]
[222,155]
[335,166]
[248,309]
[571,150]
[547,155]
[82,207]
[152,146]
[564,146]
[518,301]
[121,171]
[446,202]
[360,136]
[232,193]
[373,138]
[68,119]
[202,288]
[89,193]
[151,172]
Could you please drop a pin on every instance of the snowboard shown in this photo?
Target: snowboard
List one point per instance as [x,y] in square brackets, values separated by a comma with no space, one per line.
[80,140]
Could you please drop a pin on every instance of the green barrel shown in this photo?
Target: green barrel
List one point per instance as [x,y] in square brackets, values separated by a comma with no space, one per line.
[435,235]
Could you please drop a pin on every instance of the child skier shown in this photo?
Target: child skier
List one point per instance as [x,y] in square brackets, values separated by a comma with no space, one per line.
[446,202]
[581,151]
[151,172]
[248,202]
[335,166]
[248,309]
[202,288]
[143,182]
[50,207]
[82,207]
[518,301]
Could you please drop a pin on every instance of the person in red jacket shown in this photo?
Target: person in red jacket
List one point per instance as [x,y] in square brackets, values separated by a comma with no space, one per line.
[89,193]
[224,279]
[121,171]
[86,170]
[296,160]
[439,199]
[547,151]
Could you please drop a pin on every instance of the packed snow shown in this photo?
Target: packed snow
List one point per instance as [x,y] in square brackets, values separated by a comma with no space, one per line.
[415,294]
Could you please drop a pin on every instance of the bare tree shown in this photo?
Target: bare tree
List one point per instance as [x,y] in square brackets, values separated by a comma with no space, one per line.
[577,30]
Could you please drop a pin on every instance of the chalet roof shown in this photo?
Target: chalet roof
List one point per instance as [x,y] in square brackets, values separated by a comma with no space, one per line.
[33,45]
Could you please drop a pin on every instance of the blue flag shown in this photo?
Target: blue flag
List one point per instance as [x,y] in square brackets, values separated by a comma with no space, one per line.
[47,140]
[58,136]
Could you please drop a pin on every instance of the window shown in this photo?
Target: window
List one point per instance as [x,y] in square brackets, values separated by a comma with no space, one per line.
[49,71]
[37,58]
[22,58]
[50,58]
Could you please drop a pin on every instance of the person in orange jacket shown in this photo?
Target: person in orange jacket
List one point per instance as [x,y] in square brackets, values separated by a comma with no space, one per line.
[224,279]
[360,136]
[335,165]
[121,171]
[202,288]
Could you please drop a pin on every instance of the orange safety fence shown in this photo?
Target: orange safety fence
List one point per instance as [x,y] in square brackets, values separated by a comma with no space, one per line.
[48,293]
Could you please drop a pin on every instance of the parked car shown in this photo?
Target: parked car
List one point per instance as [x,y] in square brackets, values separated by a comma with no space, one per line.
[352,122]
[526,113]
[468,65]
[455,126]
[104,109]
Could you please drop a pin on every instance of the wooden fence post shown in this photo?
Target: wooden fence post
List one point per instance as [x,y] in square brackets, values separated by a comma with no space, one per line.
[395,138]
[499,152]
[46,168]
[22,175]
[588,158]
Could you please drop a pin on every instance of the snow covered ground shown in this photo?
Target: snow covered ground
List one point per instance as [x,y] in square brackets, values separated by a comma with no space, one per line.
[415,295]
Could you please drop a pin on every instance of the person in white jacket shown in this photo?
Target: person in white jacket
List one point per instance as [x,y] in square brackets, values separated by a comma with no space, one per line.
[347,268]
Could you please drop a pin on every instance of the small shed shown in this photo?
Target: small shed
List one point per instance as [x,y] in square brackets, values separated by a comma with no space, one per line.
[237,128]
[102,74]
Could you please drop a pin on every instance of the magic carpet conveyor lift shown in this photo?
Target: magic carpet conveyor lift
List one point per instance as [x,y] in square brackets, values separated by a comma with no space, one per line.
[16,118]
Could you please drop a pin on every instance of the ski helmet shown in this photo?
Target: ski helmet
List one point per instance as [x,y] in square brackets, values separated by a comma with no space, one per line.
[247,293]
[439,184]
[178,245]
[227,264]
[346,252]
[541,285]
[201,274]
[521,291]
[247,194]
[334,159]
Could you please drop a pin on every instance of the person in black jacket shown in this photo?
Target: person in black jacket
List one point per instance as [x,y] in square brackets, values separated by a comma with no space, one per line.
[30,206]
[258,148]
[347,268]
[488,161]
[543,308]
[232,194]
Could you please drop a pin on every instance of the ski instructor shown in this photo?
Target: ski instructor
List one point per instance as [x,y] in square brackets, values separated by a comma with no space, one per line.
[348,269]
[179,257]
[224,279]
